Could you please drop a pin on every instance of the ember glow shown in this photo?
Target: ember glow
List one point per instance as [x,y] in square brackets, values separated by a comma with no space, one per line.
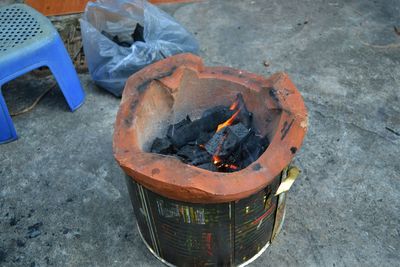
[231,166]
[216,160]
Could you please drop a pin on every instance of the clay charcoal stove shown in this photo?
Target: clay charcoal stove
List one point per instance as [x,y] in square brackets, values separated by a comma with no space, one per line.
[222,139]
[207,154]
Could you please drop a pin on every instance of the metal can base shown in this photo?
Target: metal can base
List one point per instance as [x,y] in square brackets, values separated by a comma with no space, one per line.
[171,265]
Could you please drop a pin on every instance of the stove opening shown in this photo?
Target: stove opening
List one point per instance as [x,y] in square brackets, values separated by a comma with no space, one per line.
[223,139]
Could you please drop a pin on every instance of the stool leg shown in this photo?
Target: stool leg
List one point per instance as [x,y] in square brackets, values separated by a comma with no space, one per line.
[7,130]
[63,70]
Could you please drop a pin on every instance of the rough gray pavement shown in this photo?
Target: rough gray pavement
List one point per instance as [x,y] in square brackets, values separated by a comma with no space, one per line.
[63,198]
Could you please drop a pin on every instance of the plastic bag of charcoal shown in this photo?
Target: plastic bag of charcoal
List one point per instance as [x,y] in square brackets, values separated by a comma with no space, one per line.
[121,37]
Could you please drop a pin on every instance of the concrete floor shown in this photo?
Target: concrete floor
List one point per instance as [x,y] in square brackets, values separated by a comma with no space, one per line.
[63,198]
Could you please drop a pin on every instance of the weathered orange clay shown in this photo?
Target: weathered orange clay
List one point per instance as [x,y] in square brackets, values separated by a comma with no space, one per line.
[166,91]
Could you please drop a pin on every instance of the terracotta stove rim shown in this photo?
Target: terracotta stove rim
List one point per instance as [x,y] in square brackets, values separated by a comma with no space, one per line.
[221,188]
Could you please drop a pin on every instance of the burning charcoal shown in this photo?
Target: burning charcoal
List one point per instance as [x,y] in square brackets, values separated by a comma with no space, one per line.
[212,117]
[138,33]
[215,142]
[244,116]
[186,132]
[229,144]
[194,155]
[237,134]
[228,168]
[224,142]
[223,139]
[162,146]
[208,166]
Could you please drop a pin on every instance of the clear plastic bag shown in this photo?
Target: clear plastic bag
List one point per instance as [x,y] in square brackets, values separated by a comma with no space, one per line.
[112,61]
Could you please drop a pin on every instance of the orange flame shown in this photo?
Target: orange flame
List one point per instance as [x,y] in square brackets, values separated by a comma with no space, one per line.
[234,105]
[228,122]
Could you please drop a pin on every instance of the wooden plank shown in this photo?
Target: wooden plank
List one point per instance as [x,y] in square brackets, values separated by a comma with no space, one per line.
[60,7]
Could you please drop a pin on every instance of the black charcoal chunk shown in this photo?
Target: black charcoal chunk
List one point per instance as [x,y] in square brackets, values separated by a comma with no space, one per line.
[201,158]
[204,137]
[162,146]
[116,39]
[245,117]
[185,134]
[252,149]
[194,155]
[213,145]
[124,44]
[229,144]
[138,33]
[224,142]
[119,40]
[237,134]
[235,157]
[240,131]
[106,34]
[212,117]
[172,128]
[187,152]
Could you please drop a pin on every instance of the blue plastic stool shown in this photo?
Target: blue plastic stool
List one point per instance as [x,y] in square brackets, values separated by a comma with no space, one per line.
[28,41]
